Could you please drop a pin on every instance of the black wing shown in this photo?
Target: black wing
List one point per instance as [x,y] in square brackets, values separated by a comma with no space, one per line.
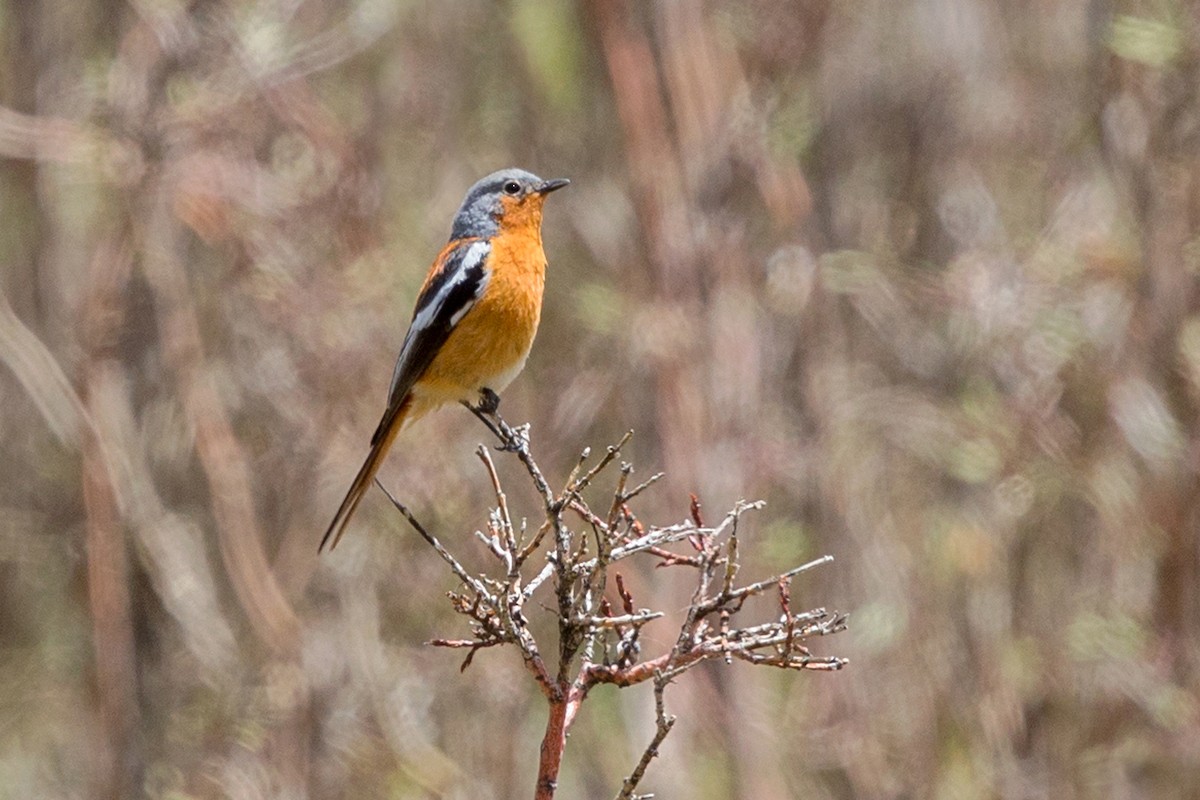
[453,287]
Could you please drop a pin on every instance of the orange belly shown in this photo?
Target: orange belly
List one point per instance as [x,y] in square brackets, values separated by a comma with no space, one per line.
[489,345]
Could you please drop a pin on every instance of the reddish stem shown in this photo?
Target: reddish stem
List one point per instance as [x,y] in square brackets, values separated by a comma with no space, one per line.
[563,708]
[565,703]
[553,744]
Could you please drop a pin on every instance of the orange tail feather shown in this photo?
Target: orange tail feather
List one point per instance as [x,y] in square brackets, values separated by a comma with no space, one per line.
[382,441]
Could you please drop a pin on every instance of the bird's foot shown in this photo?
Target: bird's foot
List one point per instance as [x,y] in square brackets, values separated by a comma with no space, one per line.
[512,440]
[517,440]
[485,410]
[489,402]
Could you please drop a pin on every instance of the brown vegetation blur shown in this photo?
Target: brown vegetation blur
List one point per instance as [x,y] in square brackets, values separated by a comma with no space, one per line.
[922,274]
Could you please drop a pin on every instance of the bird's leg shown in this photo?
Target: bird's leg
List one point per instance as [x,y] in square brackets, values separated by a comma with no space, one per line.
[486,409]
[486,419]
[489,401]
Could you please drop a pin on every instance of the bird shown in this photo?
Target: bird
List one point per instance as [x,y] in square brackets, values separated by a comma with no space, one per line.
[475,318]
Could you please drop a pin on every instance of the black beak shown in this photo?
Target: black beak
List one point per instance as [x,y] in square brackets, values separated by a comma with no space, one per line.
[546,187]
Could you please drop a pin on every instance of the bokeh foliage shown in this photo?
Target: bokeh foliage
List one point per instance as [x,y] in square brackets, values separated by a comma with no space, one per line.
[921,273]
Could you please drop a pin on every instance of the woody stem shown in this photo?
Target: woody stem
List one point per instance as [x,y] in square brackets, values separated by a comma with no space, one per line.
[563,707]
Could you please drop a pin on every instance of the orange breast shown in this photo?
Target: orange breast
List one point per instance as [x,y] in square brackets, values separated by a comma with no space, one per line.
[489,345]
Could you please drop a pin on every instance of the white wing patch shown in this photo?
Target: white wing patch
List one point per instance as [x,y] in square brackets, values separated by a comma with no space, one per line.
[462,287]
[463,272]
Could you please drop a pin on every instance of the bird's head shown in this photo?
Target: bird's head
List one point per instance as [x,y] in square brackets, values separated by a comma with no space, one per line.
[507,199]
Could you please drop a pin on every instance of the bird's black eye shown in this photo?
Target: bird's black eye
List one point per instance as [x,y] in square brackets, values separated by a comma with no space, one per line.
[512,187]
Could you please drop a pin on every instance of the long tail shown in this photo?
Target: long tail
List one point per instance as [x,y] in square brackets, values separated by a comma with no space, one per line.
[381,442]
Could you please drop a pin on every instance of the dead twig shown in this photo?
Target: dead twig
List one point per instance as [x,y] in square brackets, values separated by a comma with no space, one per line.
[595,645]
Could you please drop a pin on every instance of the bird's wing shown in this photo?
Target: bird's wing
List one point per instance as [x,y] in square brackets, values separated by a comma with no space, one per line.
[455,283]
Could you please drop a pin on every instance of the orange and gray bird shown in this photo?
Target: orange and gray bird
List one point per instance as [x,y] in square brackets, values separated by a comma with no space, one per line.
[475,318]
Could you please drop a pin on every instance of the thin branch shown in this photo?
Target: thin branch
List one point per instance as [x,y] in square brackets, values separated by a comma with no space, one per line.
[506,528]
[534,543]
[757,588]
[641,487]
[599,526]
[731,558]
[638,618]
[669,559]
[613,451]
[446,555]
[541,577]
[618,495]
[663,725]
[516,441]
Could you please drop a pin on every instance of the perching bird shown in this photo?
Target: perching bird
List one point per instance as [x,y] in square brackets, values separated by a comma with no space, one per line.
[475,318]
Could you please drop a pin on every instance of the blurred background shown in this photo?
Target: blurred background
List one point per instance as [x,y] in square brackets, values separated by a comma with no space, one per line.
[922,274]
